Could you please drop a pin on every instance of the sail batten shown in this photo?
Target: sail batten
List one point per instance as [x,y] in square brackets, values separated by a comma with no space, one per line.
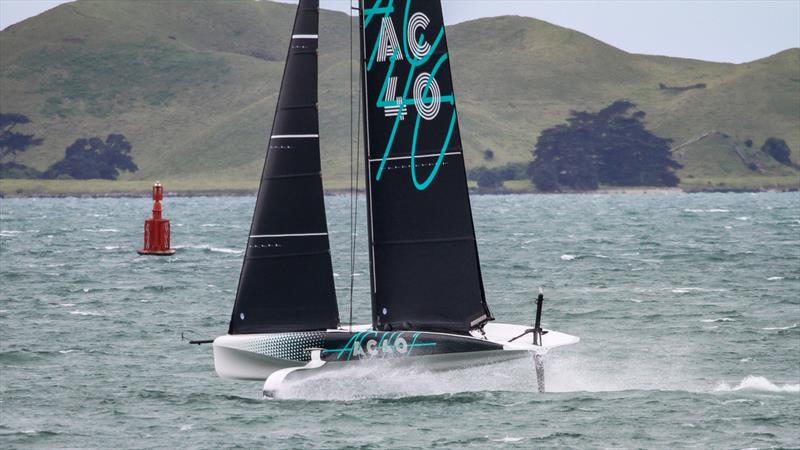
[286,283]
[425,270]
[425,241]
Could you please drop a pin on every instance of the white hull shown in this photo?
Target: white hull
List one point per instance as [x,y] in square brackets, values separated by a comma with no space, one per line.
[256,356]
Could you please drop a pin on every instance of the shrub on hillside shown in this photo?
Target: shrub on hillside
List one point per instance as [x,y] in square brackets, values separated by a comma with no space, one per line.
[778,149]
[488,179]
[13,142]
[94,158]
[12,169]
[493,177]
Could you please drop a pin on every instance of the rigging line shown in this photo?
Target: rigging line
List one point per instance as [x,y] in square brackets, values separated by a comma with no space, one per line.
[355,202]
[352,195]
[355,161]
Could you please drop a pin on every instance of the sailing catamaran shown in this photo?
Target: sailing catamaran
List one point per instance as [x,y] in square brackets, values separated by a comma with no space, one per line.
[428,301]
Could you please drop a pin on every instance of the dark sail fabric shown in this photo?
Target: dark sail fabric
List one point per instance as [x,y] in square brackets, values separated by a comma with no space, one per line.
[424,258]
[286,283]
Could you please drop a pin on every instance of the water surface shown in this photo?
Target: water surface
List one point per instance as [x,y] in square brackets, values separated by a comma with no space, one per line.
[687,307]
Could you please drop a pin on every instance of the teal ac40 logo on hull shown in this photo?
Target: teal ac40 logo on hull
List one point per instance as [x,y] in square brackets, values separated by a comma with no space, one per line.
[366,344]
[426,98]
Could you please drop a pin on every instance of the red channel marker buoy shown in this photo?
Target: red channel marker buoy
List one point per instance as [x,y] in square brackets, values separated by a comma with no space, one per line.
[156,229]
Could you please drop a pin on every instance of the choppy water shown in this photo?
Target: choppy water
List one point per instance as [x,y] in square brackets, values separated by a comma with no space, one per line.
[687,306]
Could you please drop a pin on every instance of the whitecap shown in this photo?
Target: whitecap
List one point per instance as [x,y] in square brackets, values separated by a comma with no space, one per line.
[686,290]
[67,305]
[64,352]
[568,257]
[740,400]
[743,218]
[85,313]
[210,225]
[211,249]
[102,230]
[719,319]
[754,383]
[793,326]
[508,439]
[774,278]
[186,427]
[712,210]
[230,251]
[111,247]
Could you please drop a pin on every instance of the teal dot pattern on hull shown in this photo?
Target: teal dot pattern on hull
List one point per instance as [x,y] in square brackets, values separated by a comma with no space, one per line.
[291,346]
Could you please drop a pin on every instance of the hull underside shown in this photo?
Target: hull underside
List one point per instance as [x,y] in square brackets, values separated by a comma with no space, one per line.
[257,356]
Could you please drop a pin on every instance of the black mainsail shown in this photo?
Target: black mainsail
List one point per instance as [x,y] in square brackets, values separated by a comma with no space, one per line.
[286,283]
[425,271]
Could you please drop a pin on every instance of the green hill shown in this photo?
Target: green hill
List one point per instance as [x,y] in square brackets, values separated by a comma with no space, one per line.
[193,87]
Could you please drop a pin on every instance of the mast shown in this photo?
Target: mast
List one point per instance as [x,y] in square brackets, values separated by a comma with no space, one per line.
[368,186]
[425,270]
[286,283]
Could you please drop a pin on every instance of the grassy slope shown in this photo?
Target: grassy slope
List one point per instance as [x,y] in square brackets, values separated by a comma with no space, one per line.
[194,89]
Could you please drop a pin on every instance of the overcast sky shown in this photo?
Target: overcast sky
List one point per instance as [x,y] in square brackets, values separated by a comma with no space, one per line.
[712,30]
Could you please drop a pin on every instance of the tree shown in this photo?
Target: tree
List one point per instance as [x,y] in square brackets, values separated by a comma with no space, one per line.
[545,177]
[610,147]
[512,171]
[93,158]
[476,173]
[13,169]
[564,158]
[778,149]
[12,142]
[492,178]
[489,179]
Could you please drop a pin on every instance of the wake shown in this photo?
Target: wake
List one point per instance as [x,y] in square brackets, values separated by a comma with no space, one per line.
[563,374]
